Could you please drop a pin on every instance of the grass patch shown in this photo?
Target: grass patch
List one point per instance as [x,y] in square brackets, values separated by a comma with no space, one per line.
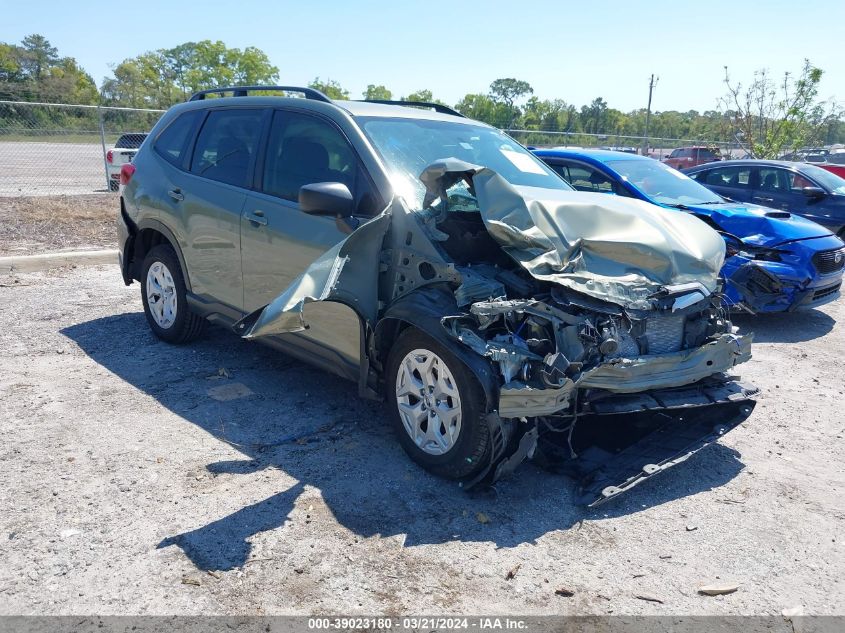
[45,224]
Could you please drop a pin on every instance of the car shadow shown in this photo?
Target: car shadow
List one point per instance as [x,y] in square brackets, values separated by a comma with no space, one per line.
[785,327]
[285,415]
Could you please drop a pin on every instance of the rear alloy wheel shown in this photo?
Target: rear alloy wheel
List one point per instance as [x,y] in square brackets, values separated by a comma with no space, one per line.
[437,407]
[163,294]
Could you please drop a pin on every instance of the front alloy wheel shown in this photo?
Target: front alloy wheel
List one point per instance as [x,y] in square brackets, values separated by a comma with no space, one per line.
[437,406]
[428,401]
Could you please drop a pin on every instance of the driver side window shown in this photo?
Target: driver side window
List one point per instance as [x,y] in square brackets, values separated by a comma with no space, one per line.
[303,150]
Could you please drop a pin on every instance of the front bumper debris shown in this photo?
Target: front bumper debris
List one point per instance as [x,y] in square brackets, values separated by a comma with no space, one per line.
[694,419]
[618,440]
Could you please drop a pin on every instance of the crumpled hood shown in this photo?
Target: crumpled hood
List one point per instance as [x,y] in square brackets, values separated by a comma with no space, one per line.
[612,248]
[761,226]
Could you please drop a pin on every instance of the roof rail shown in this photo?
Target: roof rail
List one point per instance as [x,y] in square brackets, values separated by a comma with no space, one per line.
[437,107]
[243,91]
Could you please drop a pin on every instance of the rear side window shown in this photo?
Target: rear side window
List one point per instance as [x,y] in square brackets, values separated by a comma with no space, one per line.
[171,143]
[737,177]
[226,145]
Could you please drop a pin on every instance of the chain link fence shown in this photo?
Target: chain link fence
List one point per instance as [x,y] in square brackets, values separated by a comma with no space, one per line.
[658,147]
[58,149]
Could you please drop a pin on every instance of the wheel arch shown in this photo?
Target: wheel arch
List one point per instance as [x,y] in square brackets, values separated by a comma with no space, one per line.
[151,233]
[423,310]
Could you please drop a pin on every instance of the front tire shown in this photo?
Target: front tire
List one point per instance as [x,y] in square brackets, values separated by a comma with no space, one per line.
[437,407]
[163,293]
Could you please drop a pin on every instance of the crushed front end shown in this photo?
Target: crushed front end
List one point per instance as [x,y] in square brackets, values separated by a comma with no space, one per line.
[611,338]
[613,395]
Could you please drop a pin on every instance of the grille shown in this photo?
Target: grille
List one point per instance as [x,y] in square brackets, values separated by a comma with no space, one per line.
[821,293]
[827,262]
[665,334]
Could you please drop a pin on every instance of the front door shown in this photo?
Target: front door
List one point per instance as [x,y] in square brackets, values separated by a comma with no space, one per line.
[279,242]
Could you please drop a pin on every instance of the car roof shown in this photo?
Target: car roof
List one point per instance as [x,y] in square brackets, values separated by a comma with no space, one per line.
[600,155]
[354,108]
[749,162]
[365,108]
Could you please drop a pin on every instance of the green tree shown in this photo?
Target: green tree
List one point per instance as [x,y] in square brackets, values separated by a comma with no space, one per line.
[68,80]
[374,92]
[160,78]
[508,91]
[594,117]
[34,71]
[331,88]
[769,117]
[38,56]
[484,108]
[10,63]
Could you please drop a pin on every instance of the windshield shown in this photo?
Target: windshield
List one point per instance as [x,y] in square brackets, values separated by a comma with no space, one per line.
[408,146]
[662,184]
[828,180]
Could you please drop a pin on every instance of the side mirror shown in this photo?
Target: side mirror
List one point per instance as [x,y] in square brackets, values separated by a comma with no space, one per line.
[814,193]
[326,198]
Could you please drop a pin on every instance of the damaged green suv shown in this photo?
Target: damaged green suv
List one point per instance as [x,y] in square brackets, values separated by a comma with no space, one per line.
[437,263]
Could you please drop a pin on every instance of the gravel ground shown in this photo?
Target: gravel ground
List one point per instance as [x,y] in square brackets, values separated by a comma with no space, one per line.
[140,478]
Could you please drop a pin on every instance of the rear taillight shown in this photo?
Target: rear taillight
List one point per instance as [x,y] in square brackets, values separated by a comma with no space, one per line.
[109,157]
[126,171]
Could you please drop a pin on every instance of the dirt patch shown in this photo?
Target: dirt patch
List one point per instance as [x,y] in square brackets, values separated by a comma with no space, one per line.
[46,224]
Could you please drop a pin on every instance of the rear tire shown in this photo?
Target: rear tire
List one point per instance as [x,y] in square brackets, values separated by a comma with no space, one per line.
[163,293]
[437,407]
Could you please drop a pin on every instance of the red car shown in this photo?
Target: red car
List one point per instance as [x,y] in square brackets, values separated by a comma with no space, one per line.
[686,157]
[839,170]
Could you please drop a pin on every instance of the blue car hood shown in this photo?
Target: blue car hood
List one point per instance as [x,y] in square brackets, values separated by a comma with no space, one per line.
[760,226]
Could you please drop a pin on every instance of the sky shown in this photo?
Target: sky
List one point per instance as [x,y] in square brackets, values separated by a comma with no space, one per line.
[575,51]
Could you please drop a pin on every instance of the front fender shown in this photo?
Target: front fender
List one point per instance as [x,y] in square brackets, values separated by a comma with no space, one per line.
[424,310]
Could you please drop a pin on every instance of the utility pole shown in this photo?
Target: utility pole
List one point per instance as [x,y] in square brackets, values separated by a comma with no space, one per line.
[651,84]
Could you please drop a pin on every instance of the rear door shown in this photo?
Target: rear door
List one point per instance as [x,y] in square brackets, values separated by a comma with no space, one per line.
[211,200]
[733,182]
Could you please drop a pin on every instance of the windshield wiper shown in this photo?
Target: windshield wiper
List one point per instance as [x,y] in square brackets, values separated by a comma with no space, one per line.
[682,207]
[711,202]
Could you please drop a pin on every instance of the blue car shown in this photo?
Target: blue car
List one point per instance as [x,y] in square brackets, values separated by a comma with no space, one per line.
[776,261]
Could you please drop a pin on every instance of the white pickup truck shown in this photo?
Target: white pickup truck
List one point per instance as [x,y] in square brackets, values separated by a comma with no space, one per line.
[122,152]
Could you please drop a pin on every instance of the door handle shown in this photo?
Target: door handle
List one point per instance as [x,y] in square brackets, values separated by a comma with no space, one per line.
[257,217]
[762,199]
[176,194]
